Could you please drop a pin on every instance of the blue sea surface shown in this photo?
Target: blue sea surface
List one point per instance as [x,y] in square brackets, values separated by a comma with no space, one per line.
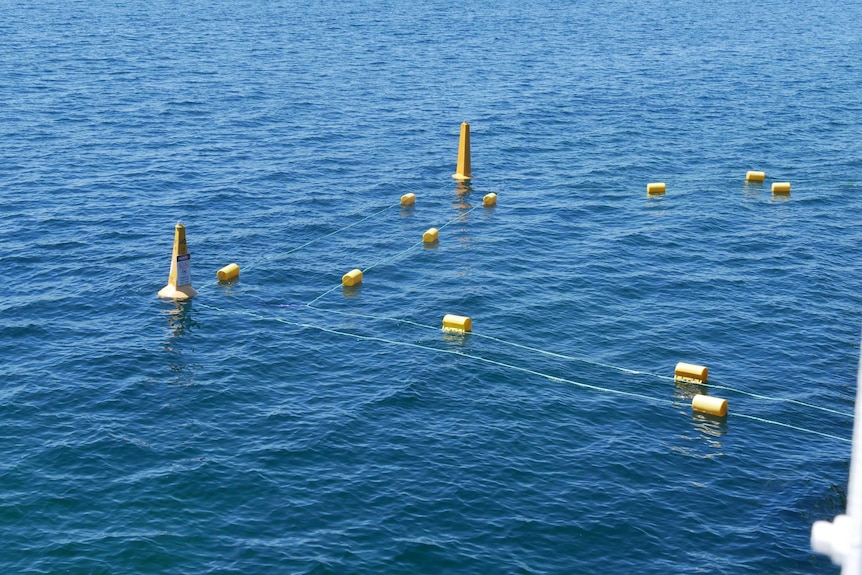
[281,423]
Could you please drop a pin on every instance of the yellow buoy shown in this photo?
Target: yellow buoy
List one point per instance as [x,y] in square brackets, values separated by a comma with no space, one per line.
[228,272]
[656,188]
[781,187]
[710,405]
[456,323]
[690,372]
[408,199]
[755,176]
[352,278]
[180,277]
[431,236]
[462,170]
[490,200]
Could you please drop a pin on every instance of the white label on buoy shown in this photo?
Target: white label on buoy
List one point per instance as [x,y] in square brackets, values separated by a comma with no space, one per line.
[184,270]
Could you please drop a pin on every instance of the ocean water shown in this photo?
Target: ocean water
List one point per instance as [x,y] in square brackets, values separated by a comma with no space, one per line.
[284,424]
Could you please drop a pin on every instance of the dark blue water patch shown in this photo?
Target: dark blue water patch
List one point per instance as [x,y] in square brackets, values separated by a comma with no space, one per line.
[247,432]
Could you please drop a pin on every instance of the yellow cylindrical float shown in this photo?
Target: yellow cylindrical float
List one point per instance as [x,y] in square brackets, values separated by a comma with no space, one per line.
[709,405]
[352,278]
[781,187]
[456,323]
[690,372]
[755,176]
[431,236]
[408,199]
[656,188]
[490,200]
[228,272]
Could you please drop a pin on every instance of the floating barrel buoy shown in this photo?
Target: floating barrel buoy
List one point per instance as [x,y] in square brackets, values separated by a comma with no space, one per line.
[755,176]
[431,236]
[709,405]
[490,200]
[456,323]
[228,272]
[690,373]
[656,188]
[408,199]
[781,187]
[352,278]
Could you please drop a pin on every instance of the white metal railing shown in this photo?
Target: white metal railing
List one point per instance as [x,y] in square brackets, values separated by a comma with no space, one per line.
[841,539]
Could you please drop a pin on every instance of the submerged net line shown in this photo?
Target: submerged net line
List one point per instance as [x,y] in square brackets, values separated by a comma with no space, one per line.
[598,363]
[644,397]
[415,245]
[783,399]
[253,264]
[795,427]
[439,350]
[323,237]
[264,259]
[280,255]
[392,257]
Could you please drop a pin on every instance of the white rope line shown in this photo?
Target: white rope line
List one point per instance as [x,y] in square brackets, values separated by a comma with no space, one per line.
[390,258]
[600,364]
[308,243]
[797,428]
[582,385]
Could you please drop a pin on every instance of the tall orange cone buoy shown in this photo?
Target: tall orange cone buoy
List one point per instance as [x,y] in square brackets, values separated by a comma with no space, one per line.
[180,277]
[462,171]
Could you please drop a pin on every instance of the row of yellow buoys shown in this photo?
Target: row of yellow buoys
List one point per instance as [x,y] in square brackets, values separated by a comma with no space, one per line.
[180,284]
[430,236]
[690,373]
[778,188]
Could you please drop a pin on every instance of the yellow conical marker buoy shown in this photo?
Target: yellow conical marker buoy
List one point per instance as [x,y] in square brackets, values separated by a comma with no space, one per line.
[431,236]
[352,278]
[490,200]
[690,373]
[462,170]
[656,188]
[755,176]
[781,187]
[408,199]
[710,405]
[180,277]
[456,323]
[228,272]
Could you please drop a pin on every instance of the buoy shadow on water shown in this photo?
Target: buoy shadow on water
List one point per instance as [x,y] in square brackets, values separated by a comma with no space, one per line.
[456,338]
[710,426]
[351,292]
[180,317]
[688,389]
